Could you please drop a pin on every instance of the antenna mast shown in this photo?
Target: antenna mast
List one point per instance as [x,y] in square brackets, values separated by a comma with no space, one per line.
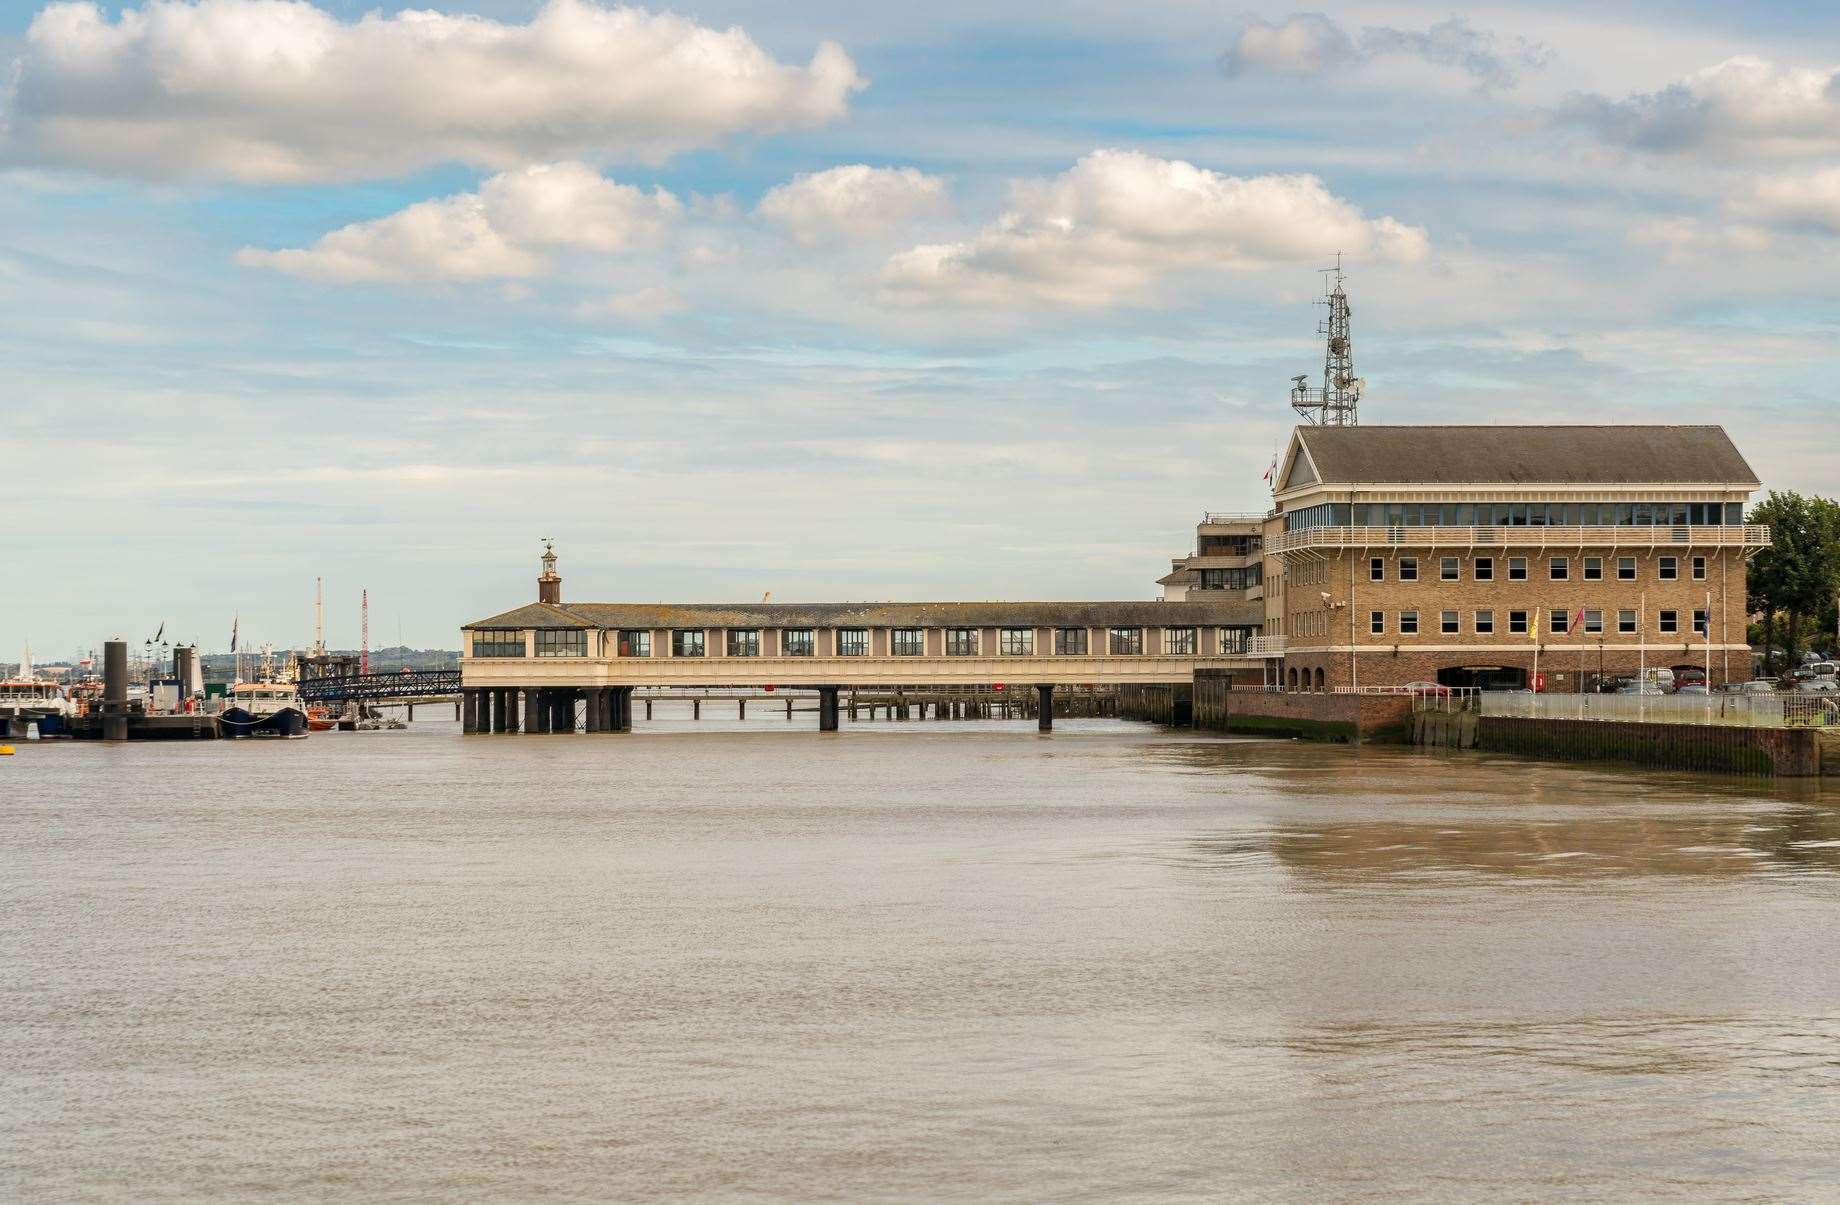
[364,633]
[1334,404]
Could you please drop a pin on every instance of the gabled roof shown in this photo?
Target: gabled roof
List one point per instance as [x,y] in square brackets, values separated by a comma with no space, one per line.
[1543,455]
[1226,613]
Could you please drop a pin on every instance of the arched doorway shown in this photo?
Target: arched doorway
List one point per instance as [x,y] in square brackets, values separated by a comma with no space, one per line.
[1319,680]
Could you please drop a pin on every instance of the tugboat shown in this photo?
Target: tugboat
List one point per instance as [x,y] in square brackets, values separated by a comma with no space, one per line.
[263,709]
[26,700]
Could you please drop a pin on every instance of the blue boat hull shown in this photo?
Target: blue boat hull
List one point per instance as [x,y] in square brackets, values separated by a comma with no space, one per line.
[289,721]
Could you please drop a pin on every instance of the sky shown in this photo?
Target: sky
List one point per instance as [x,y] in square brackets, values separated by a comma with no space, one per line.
[842,301]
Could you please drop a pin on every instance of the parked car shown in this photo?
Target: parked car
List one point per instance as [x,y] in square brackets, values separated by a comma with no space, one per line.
[1645,687]
[1693,688]
[1756,686]
[1818,685]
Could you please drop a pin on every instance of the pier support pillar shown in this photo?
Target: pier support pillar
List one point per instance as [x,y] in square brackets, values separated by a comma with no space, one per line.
[565,711]
[537,707]
[469,711]
[622,709]
[827,709]
[593,720]
[1044,702]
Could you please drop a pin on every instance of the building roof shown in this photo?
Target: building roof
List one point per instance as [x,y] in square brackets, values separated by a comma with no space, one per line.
[1543,455]
[1224,613]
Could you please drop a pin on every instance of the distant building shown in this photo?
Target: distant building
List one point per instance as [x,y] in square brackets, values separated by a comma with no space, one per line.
[1228,556]
[1447,554]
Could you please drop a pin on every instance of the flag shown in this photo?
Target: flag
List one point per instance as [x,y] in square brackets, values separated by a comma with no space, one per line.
[1577,620]
[1272,472]
[233,624]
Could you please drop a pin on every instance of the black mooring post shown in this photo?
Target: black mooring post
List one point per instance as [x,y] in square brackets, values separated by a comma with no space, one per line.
[1044,702]
[827,709]
[469,714]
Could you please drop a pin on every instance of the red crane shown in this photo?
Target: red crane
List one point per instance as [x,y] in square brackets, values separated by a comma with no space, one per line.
[364,632]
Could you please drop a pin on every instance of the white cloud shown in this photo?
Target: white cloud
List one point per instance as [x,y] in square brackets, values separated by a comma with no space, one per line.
[1311,43]
[1119,223]
[1809,202]
[640,305]
[267,91]
[852,201]
[503,230]
[1744,107]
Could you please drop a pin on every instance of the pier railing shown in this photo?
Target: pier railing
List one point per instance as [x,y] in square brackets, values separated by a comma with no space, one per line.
[1731,710]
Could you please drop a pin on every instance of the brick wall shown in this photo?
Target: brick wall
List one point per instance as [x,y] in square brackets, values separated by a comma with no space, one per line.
[1320,638]
[1349,718]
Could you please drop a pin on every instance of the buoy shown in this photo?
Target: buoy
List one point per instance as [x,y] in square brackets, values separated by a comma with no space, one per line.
[6,751]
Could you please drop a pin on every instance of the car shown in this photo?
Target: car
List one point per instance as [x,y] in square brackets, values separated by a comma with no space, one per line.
[1756,686]
[1633,687]
[1693,688]
[1425,688]
[1826,669]
[1820,685]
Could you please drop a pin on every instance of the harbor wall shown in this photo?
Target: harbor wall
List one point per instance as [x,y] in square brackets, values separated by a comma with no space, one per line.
[1225,702]
[1717,748]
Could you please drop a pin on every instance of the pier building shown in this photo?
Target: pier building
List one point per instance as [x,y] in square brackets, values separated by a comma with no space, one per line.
[1458,555]
[535,667]
[1228,561]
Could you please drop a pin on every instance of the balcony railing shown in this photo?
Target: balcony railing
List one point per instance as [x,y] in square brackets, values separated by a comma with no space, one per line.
[1217,516]
[1617,536]
[1265,646]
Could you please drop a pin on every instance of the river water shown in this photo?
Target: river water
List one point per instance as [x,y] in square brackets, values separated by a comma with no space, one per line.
[911,961]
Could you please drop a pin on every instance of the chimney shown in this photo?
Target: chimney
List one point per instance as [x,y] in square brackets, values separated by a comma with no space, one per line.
[549,582]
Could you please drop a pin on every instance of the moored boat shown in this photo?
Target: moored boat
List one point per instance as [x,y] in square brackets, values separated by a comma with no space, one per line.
[263,709]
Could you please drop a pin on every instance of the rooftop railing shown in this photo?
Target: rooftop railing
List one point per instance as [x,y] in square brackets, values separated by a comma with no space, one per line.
[1218,516]
[1608,536]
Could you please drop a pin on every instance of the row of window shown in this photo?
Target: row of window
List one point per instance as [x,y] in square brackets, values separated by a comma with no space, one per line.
[1558,568]
[1516,514]
[1559,622]
[852,642]
[1232,579]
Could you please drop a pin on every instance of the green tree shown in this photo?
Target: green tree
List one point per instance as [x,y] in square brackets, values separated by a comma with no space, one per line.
[1798,576]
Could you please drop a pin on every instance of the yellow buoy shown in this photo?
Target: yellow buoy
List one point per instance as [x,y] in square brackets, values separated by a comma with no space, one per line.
[6,751]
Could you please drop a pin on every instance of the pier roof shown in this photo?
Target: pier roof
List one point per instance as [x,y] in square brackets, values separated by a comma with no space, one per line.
[1543,455]
[1222,613]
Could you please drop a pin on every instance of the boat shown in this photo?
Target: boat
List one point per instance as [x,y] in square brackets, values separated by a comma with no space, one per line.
[263,709]
[321,719]
[28,699]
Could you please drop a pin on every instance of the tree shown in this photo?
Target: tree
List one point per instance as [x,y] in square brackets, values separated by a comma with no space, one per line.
[1798,575]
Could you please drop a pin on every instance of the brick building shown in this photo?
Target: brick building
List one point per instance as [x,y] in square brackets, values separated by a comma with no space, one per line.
[1457,554]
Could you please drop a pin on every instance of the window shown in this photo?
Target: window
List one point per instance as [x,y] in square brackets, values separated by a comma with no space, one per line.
[1699,621]
[797,642]
[1517,623]
[1625,569]
[570,642]
[852,642]
[1408,568]
[1448,623]
[1016,642]
[1668,569]
[1376,569]
[1485,623]
[1626,621]
[1560,568]
[1448,570]
[1070,642]
[1558,620]
[1670,622]
[1232,579]
[1485,568]
[1517,568]
[1376,622]
[744,642]
[498,642]
[1593,622]
[1179,642]
[1408,623]
[1594,569]
[1127,642]
[908,642]
[635,644]
[1232,640]
[961,642]
[1699,568]
[686,644]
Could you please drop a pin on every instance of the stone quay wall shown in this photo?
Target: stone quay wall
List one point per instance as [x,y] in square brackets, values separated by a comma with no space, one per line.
[1786,752]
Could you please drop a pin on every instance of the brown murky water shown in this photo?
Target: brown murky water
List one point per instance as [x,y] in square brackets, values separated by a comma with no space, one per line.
[924,961]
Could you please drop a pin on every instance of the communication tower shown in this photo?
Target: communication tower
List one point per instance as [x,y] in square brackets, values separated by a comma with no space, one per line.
[1334,405]
[364,632]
